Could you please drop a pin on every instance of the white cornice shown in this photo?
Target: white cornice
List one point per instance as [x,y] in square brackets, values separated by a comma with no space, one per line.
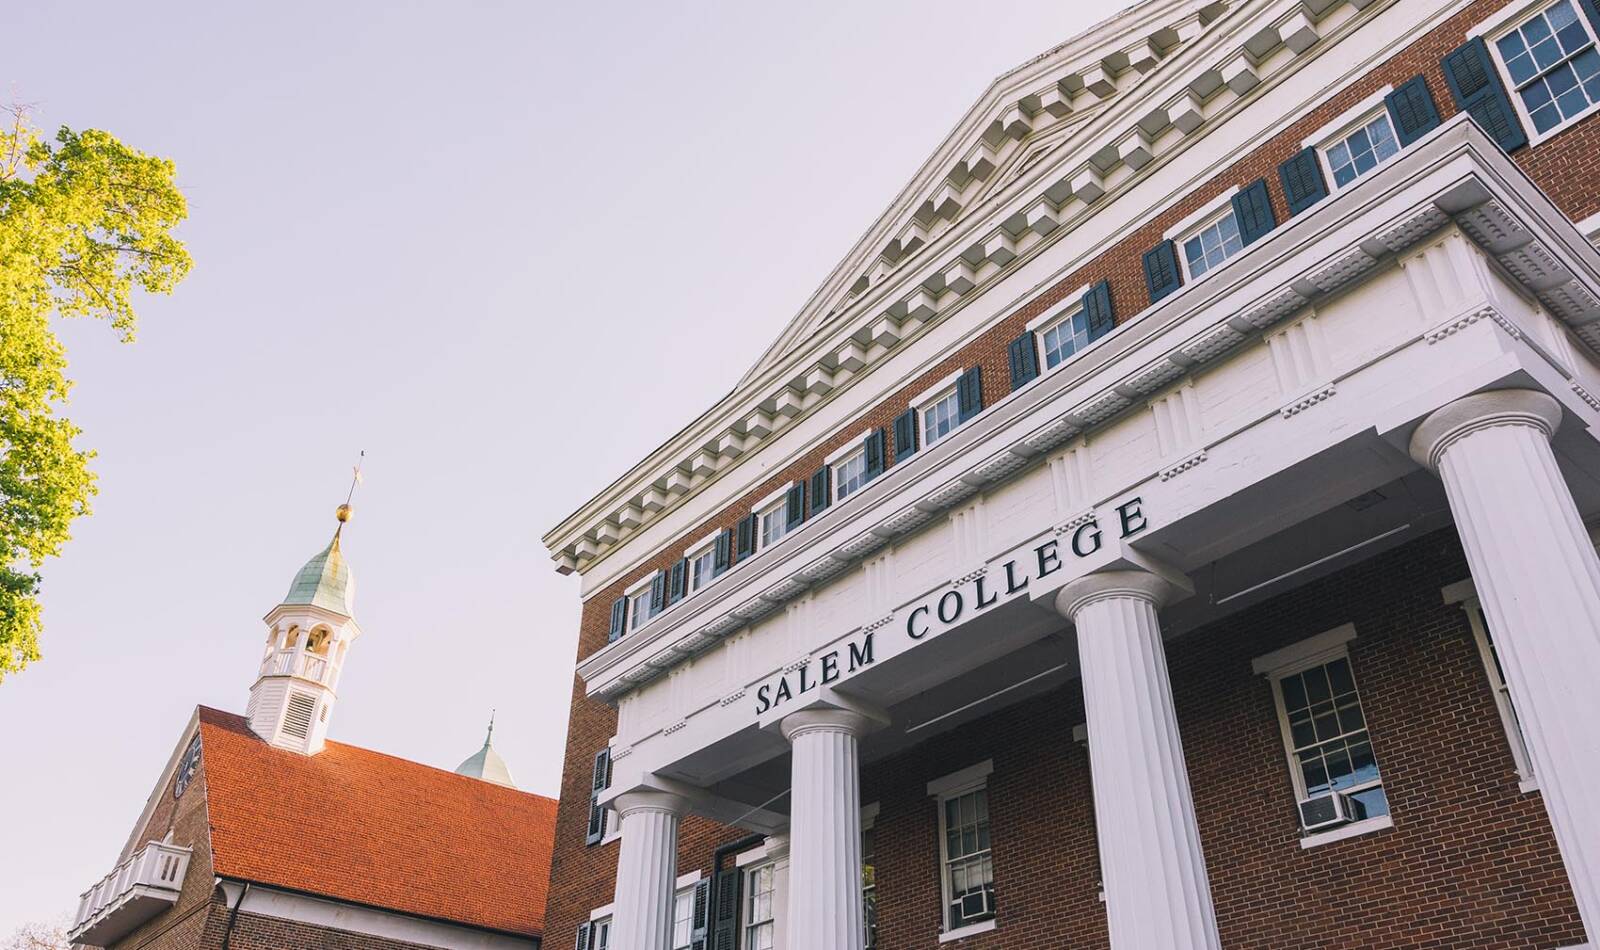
[1203,81]
[1454,174]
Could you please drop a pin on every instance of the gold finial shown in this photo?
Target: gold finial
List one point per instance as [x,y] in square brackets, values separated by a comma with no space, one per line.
[347,511]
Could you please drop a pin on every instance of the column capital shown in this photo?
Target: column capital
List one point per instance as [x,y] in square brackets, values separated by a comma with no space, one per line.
[629,803]
[1158,589]
[847,721]
[1469,414]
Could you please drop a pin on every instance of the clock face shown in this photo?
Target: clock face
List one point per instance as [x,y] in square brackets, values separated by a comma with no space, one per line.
[189,765]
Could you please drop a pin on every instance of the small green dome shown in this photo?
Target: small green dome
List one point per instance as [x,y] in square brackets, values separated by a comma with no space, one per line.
[486,764]
[325,582]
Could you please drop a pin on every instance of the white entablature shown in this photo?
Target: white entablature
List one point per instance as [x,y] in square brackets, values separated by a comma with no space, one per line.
[1455,179]
[1126,138]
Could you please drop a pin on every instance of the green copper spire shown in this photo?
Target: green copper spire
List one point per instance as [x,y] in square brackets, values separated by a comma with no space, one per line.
[326,581]
[486,763]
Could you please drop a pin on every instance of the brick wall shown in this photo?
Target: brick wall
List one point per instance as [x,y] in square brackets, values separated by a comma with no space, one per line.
[187,820]
[1564,166]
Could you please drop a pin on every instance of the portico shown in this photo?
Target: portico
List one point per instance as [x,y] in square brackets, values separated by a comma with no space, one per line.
[1365,376]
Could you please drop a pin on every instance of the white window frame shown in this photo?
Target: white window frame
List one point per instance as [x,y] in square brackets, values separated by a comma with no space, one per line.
[946,388]
[685,890]
[1465,595]
[839,458]
[1495,28]
[641,586]
[747,894]
[1298,657]
[777,501]
[956,784]
[598,917]
[869,819]
[1196,221]
[702,548]
[1043,324]
[1359,116]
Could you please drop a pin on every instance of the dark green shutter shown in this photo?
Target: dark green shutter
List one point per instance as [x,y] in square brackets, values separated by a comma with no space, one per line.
[728,886]
[585,929]
[1097,310]
[821,489]
[1412,111]
[1477,90]
[969,394]
[619,619]
[599,781]
[795,506]
[1303,184]
[747,536]
[722,557]
[905,435]
[873,447]
[1161,274]
[1252,209]
[1024,356]
[701,923]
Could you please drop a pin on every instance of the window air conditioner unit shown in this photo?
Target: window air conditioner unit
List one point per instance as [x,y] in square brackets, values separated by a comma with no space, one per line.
[1324,811]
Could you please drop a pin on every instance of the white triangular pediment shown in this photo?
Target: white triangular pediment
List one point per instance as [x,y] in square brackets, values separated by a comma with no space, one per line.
[1023,115]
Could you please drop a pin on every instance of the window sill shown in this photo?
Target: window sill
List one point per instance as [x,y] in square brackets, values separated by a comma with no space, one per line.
[1354,830]
[970,930]
[613,836]
[1528,785]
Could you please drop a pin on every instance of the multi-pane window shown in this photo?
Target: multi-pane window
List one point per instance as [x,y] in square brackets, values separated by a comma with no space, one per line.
[1064,338]
[600,934]
[1326,733]
[1211,245]
[760,924]
[683,919]
[968,866]
[1553,65]
[1362,150]
[849,475]
[939,418]
[1502,693]
[639,608]
[869,888]
[702,568]
[774,524]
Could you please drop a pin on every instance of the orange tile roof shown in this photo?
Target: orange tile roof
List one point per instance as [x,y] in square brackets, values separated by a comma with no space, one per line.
[361,826]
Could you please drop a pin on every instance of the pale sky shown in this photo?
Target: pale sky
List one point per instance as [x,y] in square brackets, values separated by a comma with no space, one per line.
[507,249]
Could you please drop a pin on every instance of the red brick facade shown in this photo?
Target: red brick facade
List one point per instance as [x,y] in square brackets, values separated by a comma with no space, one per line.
[1470,862]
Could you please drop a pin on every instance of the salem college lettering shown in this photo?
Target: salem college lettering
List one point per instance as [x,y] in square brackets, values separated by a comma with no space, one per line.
[944,609]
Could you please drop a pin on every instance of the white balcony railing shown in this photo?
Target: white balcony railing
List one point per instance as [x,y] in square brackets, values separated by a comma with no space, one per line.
[294,663]
[141,887]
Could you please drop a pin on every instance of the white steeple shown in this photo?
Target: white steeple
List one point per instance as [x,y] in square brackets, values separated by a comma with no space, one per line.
[308,635]
[486,763]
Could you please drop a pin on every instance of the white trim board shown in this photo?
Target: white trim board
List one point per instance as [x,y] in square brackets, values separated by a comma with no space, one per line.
[355,918]
[1346,118]
[1268,664]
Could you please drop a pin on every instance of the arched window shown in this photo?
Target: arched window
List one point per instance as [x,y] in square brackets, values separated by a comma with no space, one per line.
[318,641]
[291,638]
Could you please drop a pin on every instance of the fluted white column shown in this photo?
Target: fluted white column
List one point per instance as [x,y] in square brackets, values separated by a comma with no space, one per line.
[1538,578]
[1157,893]
[825,830]
[647,869]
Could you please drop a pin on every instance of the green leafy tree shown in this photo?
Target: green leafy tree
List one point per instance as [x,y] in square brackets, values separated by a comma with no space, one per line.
[85,222]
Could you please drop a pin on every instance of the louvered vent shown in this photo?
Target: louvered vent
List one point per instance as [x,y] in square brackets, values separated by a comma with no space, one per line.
[297,717]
